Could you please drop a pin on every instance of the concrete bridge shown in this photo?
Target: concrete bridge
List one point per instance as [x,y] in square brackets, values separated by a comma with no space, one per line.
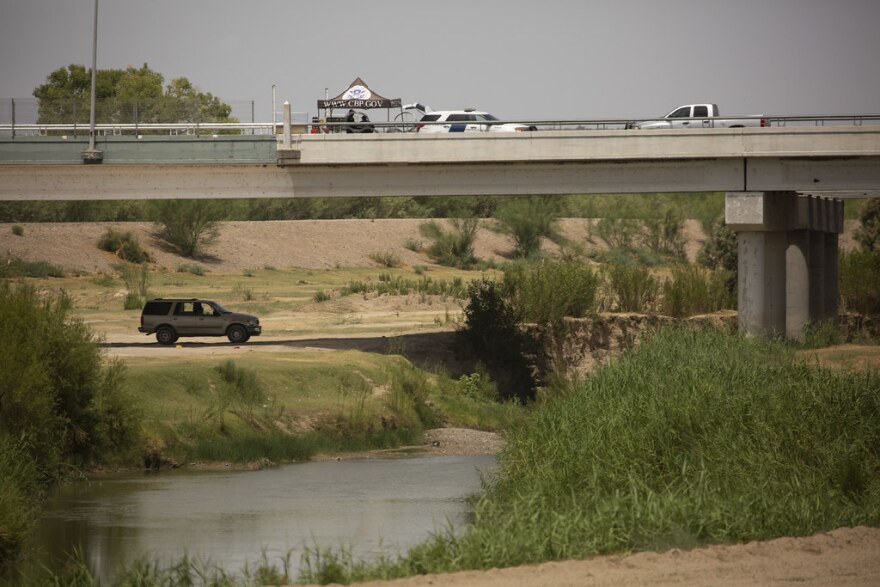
[783,184]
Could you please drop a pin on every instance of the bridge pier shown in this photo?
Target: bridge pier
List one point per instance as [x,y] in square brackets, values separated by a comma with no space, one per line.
[788,264]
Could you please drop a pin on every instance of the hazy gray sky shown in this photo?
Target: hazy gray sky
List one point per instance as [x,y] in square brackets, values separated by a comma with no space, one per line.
[516,58]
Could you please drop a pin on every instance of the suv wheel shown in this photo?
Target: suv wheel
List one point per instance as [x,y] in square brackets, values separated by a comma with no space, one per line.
[166,335]
[237,334]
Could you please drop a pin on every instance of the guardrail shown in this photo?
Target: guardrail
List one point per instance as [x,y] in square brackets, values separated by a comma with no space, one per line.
[299,125]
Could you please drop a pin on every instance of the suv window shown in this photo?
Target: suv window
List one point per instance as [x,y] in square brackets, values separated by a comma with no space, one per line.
[193,309]
[157,308]
[461,117]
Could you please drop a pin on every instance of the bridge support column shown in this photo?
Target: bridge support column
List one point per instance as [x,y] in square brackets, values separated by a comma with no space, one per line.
[787,271]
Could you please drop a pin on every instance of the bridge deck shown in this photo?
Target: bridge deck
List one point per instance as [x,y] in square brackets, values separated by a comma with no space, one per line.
[553,162]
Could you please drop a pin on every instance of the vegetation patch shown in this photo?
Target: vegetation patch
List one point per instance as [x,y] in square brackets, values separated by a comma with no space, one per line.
[694,438]
[124,245]
[61,406]
[291,408]
[11,266]
[455,247]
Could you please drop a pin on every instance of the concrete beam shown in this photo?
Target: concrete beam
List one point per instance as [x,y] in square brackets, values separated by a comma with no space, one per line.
[115,182]
[849,174]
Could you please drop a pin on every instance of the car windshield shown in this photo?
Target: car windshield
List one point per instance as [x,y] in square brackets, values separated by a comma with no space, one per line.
[220,308]
[486,117]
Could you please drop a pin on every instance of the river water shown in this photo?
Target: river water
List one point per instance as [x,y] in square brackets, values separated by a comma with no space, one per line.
[231,518]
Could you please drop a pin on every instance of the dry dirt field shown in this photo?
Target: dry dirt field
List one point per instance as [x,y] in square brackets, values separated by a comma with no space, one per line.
[307,244]
[842,557]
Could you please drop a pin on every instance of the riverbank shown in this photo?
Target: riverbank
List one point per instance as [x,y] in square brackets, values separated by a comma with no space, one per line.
[846,557]
[459,442]
[669,448]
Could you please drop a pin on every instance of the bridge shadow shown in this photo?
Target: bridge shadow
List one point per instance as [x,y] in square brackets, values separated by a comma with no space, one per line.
[430,351]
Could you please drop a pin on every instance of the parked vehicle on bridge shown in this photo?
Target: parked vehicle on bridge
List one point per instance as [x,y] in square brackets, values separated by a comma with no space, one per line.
[170,319]
[699,116]
[467,120]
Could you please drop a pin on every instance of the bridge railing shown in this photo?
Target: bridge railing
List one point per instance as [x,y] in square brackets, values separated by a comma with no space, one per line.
[300,125]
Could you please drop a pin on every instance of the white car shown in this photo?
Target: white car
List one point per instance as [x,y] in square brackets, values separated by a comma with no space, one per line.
[468,120]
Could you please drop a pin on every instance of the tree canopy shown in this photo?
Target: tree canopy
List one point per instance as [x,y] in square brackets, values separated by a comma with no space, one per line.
[125,96]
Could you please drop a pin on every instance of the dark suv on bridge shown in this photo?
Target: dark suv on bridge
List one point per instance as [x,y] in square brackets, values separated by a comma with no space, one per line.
[170,319]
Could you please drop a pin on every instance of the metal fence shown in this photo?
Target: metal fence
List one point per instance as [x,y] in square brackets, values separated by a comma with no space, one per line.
[165,115]
[20,116]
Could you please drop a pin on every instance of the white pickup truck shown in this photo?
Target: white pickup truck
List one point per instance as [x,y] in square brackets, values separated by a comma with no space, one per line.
[699,116]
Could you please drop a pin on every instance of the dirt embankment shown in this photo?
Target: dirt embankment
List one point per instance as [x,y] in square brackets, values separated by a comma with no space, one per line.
[282,244]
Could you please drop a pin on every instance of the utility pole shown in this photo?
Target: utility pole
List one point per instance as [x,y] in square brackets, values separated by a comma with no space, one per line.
[92,154]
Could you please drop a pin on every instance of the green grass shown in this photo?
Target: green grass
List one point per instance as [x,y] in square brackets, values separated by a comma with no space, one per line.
[695,438]
[11,266]
[21,491]
[286,407]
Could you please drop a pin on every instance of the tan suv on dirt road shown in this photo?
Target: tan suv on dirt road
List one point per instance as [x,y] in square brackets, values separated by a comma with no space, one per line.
[172,318]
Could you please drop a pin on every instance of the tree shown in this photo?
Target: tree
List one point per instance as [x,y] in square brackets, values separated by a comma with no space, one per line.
[868,234]
[720,252]
[125,96]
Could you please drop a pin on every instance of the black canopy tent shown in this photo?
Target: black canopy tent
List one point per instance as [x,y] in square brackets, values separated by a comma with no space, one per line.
[358,96]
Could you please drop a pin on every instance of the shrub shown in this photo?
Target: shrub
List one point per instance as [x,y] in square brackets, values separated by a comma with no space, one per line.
[190,226]
[18,230]
[60,404]
[491,332]
[124,245]
[133,301]
[191,268]
[454,248]
[244,292]
[548,291]
[55,388]
[243,386]
[632,288]
[720,251]
[618,233]
[528,220]
[11,266]
[320,296]
[20,496]
[136,279]
[860,281]
[694,290]
[386,258]
[868,234]
[663,234]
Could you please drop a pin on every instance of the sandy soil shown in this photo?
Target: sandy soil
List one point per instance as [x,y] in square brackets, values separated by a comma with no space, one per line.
[847,556]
